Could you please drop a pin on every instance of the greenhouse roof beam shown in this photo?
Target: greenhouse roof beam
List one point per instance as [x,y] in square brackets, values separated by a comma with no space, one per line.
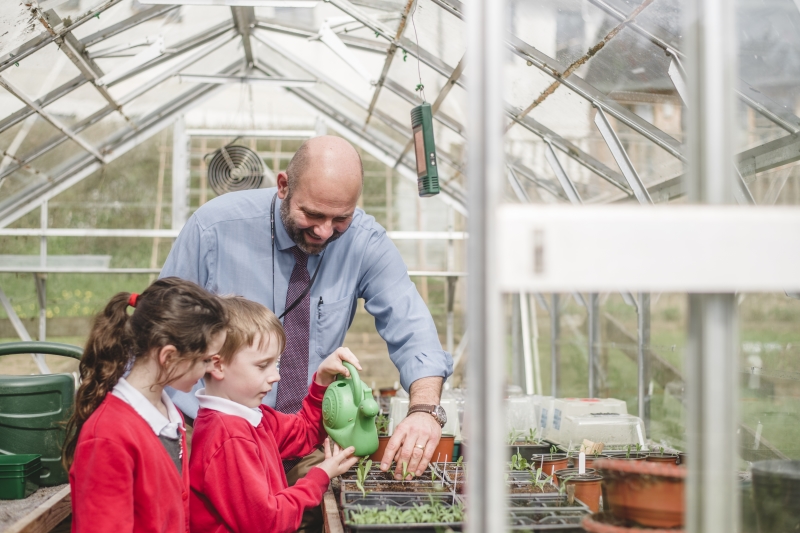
[74,50]
[369,45]
[572,150]
[245,20]
[552,68]
[531,176]
[566,183]
[387,64]
[43,39]
[128,23]
[34,195]
[187,45]
[51,119]
[750,96]
[102,113]
[44,101]
[621,157]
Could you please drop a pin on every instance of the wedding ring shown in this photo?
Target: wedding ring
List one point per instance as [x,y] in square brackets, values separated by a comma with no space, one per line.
[420,446]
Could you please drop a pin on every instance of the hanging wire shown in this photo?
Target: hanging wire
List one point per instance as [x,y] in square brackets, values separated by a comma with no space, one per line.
[420,87]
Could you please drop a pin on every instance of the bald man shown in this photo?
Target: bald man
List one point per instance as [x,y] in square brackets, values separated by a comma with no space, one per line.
[305,246]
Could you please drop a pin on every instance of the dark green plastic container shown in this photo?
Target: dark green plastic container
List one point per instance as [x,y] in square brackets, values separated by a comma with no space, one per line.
[776,496]
[34,410]
[19,475]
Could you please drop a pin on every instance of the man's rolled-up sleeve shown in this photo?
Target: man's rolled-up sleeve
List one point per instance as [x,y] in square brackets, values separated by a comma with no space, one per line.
[189,256]
[401,316]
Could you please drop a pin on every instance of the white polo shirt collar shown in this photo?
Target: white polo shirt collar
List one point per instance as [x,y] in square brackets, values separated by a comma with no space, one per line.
[229,407]
[161,425]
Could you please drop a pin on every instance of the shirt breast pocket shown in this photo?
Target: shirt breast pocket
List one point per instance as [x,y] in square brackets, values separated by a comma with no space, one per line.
[332,322]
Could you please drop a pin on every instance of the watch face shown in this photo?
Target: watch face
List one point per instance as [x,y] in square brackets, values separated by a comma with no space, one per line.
[441,415]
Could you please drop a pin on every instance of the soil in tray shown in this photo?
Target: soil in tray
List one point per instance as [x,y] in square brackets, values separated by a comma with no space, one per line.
[397,486]
[375,475]
[528,488]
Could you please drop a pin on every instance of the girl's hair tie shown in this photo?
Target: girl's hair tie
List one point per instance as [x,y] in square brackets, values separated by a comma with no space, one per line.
[133,299]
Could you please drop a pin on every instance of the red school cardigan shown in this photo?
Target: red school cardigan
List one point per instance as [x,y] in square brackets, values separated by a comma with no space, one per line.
[237,477]
[122,479]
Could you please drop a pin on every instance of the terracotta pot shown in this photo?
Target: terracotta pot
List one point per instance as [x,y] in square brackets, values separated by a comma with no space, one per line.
[590,459]
[444,451]
[382,442]
[550,463]
[588,489]
[388,391]
[667,458]
[650,494]
[605,523]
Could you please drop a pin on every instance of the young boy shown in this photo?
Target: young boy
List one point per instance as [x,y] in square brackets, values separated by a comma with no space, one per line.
[236,475]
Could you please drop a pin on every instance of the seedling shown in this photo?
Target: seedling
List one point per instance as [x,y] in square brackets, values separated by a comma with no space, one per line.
[540,481]
[364,465]
[638,447]
[406,472]
[661,450]
[512,437]
[518,462]
[553,450]
[382,424]
[434,512]
[628,452]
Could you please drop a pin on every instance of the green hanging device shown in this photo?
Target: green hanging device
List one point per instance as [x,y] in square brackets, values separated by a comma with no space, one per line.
[348,413]
[425,150]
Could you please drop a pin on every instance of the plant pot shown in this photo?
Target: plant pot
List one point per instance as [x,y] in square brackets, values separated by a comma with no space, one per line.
[650,494]
[444,451]
[550,463]
[667,458]
[607,523]
[627,457]
[682,459]
[382,442]
[588,488]
[776,493]
[590,459]
[527,450]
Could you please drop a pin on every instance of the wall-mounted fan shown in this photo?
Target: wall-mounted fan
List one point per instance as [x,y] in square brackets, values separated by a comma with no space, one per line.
[235,168]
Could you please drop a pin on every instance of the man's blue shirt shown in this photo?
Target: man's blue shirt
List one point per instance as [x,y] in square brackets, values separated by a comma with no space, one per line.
[226,248]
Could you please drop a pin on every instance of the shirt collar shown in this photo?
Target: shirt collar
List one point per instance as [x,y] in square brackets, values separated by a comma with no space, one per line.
[161,425]
[228,407]
[282,239]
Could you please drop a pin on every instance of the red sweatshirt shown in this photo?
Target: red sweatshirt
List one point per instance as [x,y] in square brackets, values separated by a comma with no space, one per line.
[122,479]
[237,478]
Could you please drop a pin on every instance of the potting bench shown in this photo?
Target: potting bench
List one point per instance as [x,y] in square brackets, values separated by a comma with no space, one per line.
[330,513]
[38,513]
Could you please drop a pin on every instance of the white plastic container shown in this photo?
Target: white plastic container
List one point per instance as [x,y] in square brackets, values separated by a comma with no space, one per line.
[615,430]
[546,416]
[574,407]
[521,415]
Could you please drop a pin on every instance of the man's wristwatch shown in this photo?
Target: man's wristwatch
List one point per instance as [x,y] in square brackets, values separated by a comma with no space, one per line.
[436,411]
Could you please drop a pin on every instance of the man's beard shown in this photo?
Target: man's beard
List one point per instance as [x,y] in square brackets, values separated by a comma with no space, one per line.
[298,234]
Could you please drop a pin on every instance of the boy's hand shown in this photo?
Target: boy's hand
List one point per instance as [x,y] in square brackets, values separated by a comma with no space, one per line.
[337,461]
[332,365]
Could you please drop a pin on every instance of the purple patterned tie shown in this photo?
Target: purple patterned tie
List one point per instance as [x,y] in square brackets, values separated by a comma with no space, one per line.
[293,386]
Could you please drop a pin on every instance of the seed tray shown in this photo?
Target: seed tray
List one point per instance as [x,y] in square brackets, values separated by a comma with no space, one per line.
[549,501]
[402,500]
[563,521]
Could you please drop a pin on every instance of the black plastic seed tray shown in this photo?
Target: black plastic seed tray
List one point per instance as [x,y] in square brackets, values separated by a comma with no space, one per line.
[544,520]
[402,500]
[350,491]
[548,501]
[351,503]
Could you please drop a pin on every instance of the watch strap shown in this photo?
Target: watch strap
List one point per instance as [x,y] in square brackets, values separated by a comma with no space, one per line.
[422,408]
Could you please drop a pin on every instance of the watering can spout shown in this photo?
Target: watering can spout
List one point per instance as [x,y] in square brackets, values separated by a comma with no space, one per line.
[348,413]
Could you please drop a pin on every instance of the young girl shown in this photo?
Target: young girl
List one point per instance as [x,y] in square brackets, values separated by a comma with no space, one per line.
[126,443]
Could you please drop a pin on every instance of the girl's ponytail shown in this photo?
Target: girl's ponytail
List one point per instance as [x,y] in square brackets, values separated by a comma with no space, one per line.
[105,358]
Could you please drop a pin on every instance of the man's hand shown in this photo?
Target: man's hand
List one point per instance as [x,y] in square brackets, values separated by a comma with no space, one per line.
[412,443]
[416,437]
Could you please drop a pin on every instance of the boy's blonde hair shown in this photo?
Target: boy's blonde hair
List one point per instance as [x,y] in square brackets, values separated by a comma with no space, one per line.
[247,320]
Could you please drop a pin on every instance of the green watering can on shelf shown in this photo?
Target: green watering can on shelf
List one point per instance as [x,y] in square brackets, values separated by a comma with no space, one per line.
[348,413]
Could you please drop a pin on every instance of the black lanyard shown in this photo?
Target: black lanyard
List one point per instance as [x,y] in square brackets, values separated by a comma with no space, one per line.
[310,283]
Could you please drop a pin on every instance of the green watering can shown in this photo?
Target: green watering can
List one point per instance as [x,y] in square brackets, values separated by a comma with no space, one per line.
[34,410]
[348,413]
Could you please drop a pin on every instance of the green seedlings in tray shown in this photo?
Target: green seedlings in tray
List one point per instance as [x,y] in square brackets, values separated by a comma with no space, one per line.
[364,465]
[519,437]
[518,462]
[512,437]
[434,512]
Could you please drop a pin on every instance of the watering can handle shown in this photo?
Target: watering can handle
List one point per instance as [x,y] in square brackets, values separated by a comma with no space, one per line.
[358,393]
[51,348]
